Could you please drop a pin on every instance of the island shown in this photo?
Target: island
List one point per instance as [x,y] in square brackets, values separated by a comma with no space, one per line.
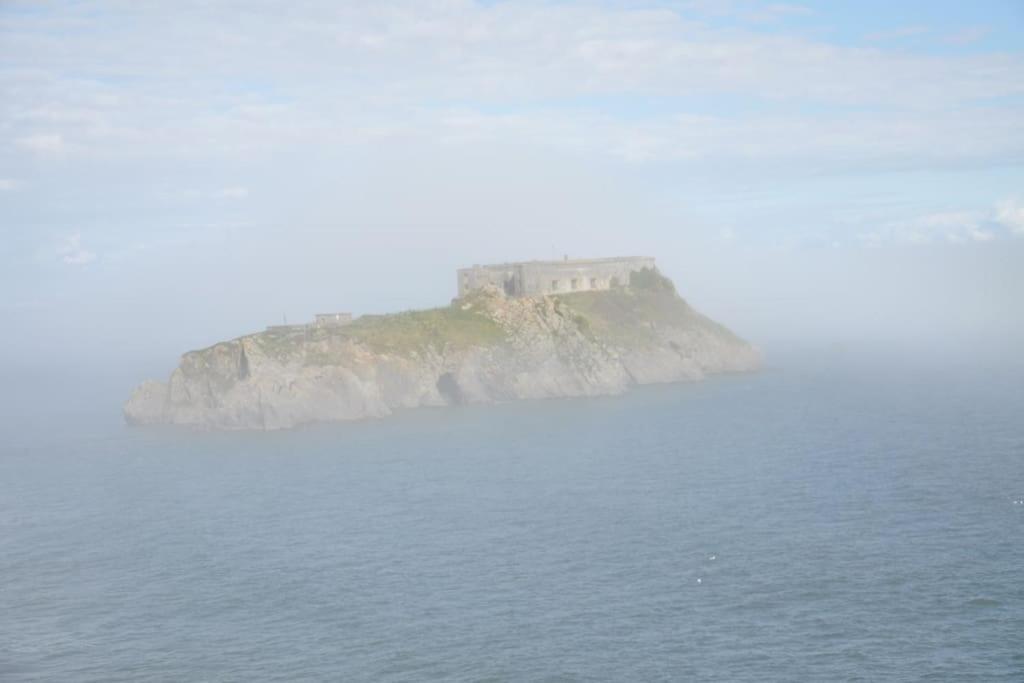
[528,330]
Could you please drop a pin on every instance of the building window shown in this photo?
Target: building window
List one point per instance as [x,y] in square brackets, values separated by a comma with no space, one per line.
[593,283]
[575,283]
[554,285]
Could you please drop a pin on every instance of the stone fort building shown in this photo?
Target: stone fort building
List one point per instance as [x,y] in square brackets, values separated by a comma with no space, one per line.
[537,278]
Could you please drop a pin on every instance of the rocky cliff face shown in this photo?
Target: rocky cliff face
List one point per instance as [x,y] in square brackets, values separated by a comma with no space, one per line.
[484,348]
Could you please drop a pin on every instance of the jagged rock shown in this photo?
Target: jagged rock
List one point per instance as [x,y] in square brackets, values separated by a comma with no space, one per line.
[484,348]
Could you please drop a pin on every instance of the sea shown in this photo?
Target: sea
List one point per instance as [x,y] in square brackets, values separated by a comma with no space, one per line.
[837,516]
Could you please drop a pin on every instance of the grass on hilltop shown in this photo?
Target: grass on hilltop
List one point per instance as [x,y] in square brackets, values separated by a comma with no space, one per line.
[626,316]
[450,327]
[630,316]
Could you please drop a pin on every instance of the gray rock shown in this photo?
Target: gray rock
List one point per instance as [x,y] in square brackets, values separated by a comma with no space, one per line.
[483,349]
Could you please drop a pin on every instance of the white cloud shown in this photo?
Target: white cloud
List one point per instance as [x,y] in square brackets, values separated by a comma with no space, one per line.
[71,251]
[746,10]
[967,36]
[951,227]
[860,141]
[785,9]
[954,226]
[233,193]
[896,34]
[1010,214]
[80,257]
[9,185]
[42,143]
[448,79]
[396,69]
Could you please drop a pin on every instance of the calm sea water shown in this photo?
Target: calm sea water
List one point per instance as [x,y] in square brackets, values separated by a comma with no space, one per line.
[838,519]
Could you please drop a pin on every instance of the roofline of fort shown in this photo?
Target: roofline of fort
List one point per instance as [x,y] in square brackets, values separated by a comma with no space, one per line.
[562,262]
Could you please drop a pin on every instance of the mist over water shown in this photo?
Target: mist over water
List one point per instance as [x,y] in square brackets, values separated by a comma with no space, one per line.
[835,516]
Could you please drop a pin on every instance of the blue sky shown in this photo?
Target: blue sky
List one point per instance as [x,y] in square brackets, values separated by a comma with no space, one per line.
[194,170]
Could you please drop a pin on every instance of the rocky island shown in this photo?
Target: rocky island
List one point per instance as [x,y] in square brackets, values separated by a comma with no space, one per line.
[516,331]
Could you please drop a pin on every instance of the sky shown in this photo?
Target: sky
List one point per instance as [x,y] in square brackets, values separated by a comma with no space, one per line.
[174,174]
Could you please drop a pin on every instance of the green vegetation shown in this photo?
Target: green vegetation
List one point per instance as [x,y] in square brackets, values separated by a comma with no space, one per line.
[625,316]
[399,333]
[282,345]
[583,325]
[649,279]
[629,316]
[412,330]
[402,333]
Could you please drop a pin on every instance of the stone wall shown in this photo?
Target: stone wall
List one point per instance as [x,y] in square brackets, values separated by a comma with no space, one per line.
[332,319]
[319,320]
[505,276]
[539,278]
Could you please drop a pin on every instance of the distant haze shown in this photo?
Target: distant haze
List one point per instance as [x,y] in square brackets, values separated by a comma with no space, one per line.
[175,175]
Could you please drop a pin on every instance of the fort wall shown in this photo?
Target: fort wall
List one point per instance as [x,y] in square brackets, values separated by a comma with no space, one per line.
[319,320]
[539,278]
[332,319]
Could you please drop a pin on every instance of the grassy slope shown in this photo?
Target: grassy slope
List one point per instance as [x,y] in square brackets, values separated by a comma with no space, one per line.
[435,327]
[626,316]
[629,316]
[398,333]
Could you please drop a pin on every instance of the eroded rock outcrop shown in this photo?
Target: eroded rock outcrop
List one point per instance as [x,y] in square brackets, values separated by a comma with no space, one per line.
[484,348]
